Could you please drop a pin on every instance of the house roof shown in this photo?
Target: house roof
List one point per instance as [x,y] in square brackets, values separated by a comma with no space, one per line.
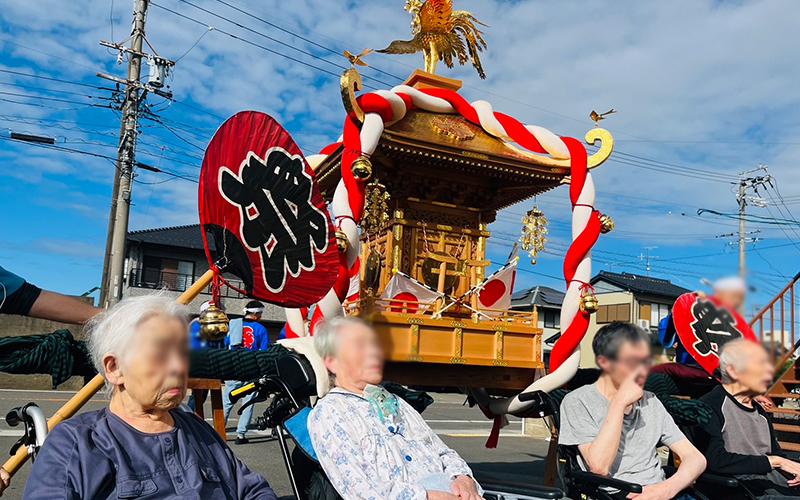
[190,237]
[539,296]
[641,284]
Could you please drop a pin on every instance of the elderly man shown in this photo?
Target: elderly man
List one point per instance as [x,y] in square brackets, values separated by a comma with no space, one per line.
[140,446]
[740,440]
[372,445]
[617,426]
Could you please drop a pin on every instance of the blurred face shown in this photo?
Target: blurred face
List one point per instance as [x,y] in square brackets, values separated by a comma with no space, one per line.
[758,371]
[632,356]
[156,366]
[359,361]
[732,299]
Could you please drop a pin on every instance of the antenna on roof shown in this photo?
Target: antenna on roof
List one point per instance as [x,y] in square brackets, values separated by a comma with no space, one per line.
[646,257]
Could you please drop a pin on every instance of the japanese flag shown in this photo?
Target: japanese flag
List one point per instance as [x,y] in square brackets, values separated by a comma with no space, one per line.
[401,288]
[495,292]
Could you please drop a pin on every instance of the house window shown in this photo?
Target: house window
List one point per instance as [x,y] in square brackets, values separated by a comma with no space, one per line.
[552,318]
[657,313]
[171,274]
[614,312]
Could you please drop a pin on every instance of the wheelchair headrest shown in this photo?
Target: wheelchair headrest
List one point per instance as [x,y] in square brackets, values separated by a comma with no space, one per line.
[304,346]
[297,373]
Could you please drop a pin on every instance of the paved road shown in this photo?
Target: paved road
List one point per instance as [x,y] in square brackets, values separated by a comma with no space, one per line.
[517,459]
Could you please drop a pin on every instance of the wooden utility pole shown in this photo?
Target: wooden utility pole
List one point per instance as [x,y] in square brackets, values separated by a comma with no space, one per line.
[113,268]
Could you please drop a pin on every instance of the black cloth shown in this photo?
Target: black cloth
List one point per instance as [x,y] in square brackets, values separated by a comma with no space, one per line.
[709,439]
[21,301]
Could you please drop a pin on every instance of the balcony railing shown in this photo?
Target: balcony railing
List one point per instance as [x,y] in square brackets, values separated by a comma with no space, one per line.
[159,279]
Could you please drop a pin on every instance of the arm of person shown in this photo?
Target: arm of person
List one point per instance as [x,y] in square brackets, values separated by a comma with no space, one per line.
[249,485]
[721,461]
[57,307]
[600,452]
[56,468]
[337,441]
[5,480]
[463,483]
[264,340]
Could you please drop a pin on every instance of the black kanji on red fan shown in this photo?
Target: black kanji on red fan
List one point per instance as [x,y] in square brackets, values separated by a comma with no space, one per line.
[713,327]
[278,219]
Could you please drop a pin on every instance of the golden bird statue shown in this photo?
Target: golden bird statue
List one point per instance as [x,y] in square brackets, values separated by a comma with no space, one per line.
[596,117]
[441,34]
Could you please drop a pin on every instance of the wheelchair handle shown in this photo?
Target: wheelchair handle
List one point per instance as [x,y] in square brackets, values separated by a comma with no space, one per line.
[243,391]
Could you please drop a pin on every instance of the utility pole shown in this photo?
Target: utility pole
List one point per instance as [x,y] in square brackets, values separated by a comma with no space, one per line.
[135,94]
[747,181]
[646,257]
[126,157]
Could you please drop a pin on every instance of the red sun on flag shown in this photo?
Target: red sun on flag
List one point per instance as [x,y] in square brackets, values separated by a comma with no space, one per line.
[397,302]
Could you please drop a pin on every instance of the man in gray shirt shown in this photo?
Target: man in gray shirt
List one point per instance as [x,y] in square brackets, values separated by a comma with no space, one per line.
[617,426]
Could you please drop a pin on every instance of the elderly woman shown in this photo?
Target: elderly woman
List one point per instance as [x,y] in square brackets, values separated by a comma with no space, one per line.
[141,446]
[372,445]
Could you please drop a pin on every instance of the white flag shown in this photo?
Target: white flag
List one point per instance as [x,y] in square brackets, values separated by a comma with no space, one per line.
[495,292]
[401,288]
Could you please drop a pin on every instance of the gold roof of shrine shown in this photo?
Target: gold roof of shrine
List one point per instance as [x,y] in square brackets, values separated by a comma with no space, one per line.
[448,146]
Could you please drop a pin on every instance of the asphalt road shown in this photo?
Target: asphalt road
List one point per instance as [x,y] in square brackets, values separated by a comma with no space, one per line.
[518,458]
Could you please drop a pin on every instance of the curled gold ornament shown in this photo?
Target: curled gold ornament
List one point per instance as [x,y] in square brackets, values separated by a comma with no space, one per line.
[602,135]
[351,83]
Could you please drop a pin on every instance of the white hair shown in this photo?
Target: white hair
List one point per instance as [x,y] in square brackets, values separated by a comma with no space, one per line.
[326,340]
[111,332]
[732,355]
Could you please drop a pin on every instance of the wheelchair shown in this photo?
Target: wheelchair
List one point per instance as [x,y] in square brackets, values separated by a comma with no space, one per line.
[582,484]
[292,390]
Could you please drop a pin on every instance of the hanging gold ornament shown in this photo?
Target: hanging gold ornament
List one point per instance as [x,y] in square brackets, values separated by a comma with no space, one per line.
[361,168]
[376,208]
[589,302]
[341,240]
[606,224]
[534,229]
[213,324]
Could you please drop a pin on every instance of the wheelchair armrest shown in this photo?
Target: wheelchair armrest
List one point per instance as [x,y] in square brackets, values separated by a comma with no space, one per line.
[597,480]
[708,479]
[521,489]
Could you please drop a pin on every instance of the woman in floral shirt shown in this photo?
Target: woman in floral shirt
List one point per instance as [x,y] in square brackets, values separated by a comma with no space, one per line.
[372,445]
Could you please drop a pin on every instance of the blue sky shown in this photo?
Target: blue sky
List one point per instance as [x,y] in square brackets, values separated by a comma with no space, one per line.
[703,88]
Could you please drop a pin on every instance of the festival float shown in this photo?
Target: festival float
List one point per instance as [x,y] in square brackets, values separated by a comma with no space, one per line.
[390,223]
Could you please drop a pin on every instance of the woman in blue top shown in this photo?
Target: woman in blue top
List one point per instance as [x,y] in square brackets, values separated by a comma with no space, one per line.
[141,446]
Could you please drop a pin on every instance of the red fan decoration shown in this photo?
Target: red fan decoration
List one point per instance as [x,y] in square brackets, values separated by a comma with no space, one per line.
[705,325]
[260,202]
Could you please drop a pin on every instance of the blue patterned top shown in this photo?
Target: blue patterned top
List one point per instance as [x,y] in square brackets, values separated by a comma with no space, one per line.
[369,456]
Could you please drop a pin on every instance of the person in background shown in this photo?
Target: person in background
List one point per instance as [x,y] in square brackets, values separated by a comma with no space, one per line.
[617,426]
[371,444]
[141,445]
[19,297]
[249,334]
[740,439]
[197,342]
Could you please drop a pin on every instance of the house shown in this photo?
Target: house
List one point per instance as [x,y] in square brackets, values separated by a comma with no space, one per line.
[171,259]
[633,298]
[548,304]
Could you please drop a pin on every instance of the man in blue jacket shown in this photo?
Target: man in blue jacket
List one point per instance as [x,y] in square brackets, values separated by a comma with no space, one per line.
[246,333]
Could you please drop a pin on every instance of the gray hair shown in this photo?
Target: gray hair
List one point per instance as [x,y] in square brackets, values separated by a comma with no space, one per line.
[732,355]
[326,340]
[111,332]
[610,338]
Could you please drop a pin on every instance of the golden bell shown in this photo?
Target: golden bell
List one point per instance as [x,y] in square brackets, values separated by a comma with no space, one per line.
[606,224]
[361,168]
[589,303]
[213,324]
[341,240]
